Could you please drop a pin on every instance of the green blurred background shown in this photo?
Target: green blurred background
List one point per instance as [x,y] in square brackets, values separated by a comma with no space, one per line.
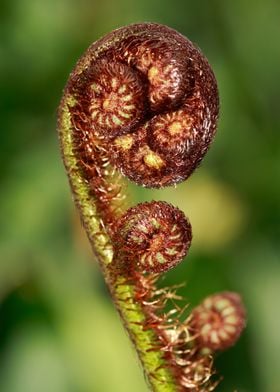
[58,329]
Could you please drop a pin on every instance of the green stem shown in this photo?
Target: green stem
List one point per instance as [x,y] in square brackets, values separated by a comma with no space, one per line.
[159,376]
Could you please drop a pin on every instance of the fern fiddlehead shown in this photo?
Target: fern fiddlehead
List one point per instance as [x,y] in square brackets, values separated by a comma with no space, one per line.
[142,103]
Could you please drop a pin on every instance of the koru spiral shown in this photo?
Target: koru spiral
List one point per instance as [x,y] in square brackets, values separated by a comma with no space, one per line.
[142,103]
[151,95]
[146,95]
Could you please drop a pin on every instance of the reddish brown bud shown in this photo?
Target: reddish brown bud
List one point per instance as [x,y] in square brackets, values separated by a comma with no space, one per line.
[151,96]
[152,237]
[117,98]
[219,321]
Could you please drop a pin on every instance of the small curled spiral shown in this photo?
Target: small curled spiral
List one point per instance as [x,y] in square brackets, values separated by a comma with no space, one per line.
[151,95]
[151,237]
[219,320]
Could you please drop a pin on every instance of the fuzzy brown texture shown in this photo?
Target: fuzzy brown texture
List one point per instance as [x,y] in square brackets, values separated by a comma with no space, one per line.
[219,321]
[192,370]
[151,237]
[150,95]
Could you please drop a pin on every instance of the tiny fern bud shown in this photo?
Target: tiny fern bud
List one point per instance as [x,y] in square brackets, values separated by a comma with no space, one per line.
[116,98]
[151,237]
[219,320]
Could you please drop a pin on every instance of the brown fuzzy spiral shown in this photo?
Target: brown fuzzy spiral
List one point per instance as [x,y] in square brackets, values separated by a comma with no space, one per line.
[151,95]
[219,320]
[153,237]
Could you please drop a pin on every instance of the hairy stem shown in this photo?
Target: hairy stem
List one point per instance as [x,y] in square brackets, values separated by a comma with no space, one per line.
[159,376]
